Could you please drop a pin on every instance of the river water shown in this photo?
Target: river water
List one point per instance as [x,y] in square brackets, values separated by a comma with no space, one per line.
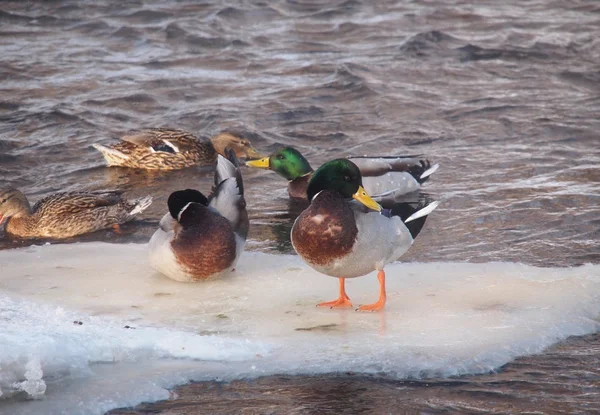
[504,96]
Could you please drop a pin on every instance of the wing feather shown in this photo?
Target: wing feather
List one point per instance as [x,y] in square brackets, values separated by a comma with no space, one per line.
[227,197]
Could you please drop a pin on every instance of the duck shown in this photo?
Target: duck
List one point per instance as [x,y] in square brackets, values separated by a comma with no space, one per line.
[344,233]
[202,238]
[383,177]
[171,148]
[66,214]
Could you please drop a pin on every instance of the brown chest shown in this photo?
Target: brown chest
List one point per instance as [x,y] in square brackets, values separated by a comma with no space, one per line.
[320,236]
[297,187]
[23,227]
[206,250]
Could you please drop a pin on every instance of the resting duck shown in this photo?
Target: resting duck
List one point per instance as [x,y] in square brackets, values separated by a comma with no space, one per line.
[63,215]
[170,149]
[202,238]
[382,176]
[346,238]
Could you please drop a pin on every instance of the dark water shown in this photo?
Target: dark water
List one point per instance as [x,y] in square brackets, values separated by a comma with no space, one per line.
[553,383]
[506,97]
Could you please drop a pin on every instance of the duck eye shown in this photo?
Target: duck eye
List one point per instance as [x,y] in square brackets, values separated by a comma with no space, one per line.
[346,178]
[280,157]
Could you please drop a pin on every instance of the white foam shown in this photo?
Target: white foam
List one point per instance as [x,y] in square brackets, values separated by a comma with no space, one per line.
[441,319]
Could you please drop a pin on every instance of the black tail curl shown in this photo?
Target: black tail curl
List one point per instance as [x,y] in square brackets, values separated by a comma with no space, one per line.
[418,169]
[404,211]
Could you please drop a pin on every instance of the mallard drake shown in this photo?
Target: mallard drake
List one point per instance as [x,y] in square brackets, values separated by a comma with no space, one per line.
[63,215]
[382,176]
[346,238]
[200,237]
[170,149]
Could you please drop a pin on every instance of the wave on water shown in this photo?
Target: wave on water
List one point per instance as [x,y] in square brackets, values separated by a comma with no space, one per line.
[95,316]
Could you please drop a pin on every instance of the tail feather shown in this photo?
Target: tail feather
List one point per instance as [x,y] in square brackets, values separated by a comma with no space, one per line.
[140,205]
[422,212]
[413,216]
[113,157]
[429,171]
[423,170]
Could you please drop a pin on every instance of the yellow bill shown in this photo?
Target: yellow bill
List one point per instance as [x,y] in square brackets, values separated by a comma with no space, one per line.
[260,163]
[362,196]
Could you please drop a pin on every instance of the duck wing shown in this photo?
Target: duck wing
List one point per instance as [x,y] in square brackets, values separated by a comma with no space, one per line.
[227,196]
[71,202]
[394,175]
[168,140]
[420,168]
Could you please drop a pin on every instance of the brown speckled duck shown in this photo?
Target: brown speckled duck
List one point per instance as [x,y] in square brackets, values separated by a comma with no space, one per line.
[63,215]
[347,238]
[171,148]
[383,177]
[202,238]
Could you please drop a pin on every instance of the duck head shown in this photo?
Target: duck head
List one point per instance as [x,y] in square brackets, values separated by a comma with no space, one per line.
[180,200]
[12,203]
[241,146]
[342,176]
[287,162]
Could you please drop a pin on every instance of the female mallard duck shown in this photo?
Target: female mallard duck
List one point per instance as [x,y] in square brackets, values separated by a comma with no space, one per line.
[343,238]
[382,176]
[202,238]
[63,215]
[170,149]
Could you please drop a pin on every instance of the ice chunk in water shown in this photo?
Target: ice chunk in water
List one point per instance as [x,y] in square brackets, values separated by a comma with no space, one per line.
[441,319]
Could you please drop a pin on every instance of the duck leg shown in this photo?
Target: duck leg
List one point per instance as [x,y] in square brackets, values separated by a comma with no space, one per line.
[382,297]
[117,229]
[342,301]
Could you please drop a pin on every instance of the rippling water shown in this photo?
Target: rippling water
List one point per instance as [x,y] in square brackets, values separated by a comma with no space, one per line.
[505,97]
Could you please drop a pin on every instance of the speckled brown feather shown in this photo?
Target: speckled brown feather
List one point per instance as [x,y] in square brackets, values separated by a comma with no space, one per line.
[63,215]
[206,244]
[141,149]
[136,153]
[326,230]
[156,135]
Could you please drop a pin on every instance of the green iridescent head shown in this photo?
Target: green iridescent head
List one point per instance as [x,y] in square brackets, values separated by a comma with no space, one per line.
[342,176]
[287,162]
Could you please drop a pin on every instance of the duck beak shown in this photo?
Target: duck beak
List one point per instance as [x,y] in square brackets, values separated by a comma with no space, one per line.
[362,196]
[263,163]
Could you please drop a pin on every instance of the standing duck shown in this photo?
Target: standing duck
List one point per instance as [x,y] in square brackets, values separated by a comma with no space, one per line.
[170,149]
[63,215]
[347,238]
[382,176]
[202,238]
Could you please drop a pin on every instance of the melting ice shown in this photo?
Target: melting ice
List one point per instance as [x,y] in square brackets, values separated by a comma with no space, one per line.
[89,327]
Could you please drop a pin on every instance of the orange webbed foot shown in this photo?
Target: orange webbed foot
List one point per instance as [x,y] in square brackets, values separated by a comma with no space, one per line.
[339,303]
[378,306]
[343,300]
[117,229]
